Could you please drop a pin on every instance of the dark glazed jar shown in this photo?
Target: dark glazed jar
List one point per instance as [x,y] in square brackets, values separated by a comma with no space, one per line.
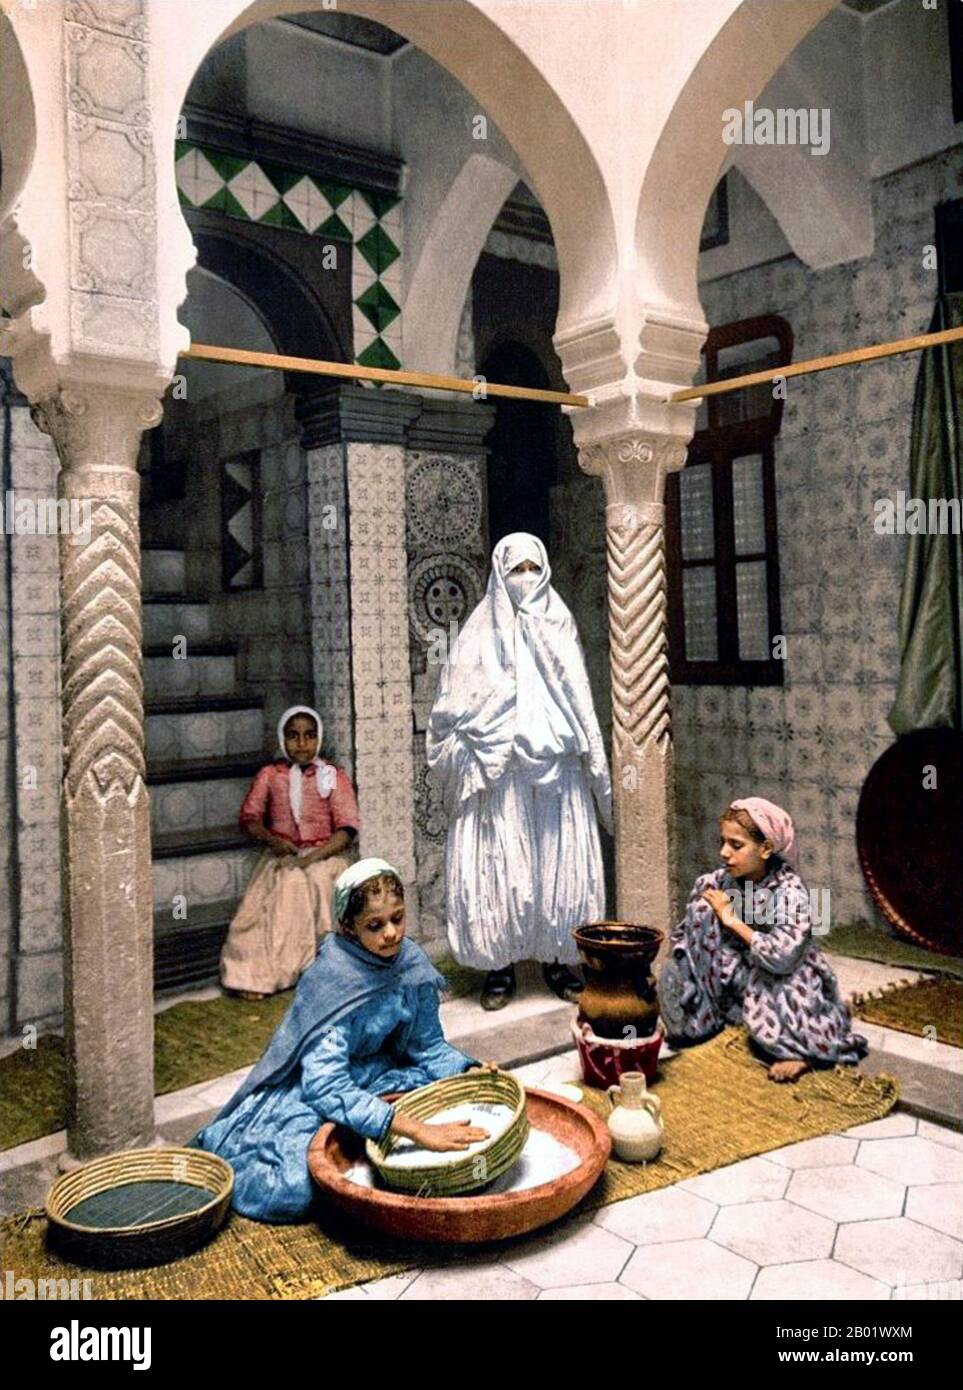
[619,999]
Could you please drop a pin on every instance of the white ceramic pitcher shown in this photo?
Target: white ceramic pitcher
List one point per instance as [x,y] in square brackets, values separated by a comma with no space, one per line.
[635,1123]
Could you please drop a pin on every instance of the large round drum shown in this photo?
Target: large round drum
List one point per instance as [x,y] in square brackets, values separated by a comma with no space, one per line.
[909,834]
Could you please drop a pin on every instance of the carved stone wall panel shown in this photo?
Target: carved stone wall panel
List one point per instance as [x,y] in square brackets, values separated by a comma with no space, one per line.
[447,565]
[109,252]
[111,165]
[105,324]
[125,17]
[444,502]
[111,174]
[107,75]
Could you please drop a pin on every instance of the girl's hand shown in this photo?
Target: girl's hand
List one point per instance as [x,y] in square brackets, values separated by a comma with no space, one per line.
[443,1138]
[485,1066]
[282,847]
[721,906]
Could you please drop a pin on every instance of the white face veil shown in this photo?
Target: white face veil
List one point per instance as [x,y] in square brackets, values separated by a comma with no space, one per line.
[324,773]
[515,690]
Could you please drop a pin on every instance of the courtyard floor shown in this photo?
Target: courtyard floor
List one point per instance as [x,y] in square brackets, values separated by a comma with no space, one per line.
[874,1212]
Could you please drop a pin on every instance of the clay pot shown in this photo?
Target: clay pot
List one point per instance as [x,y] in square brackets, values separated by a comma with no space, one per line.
[619,998]
[635,1123]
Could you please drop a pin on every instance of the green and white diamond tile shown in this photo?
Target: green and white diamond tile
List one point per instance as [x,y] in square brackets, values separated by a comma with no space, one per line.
[273,194]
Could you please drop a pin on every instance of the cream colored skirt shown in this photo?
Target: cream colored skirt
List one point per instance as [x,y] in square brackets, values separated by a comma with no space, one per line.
[283,915]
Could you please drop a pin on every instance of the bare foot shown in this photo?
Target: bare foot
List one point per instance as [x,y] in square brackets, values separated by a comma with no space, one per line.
[787,1071]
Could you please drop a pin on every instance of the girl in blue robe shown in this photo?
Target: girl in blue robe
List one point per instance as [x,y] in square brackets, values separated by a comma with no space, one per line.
[364,1021]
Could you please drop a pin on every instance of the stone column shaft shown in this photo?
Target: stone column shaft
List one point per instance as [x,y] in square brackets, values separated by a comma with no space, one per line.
[633,469]
[108,962]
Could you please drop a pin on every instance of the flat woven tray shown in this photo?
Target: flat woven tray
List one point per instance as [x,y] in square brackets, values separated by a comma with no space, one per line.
[142,1207]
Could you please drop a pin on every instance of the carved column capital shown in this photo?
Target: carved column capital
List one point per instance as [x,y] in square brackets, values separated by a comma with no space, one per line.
[96,429]
[633,466]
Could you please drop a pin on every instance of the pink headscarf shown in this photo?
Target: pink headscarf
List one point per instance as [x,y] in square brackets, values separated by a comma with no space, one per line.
[775,823]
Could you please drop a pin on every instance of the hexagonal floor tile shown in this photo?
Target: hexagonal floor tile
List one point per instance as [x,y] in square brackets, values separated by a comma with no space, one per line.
[773,1233]
[899,1251]
[939,1205]
[484,1282]
[951,1138]
[828,1151]
[686,1269]
[751,1180]
[391,1287]
[580,1253]
[591,1293]
[846,1194]
[912,1161]
[668,1214]
[895,1126]
[815,1280]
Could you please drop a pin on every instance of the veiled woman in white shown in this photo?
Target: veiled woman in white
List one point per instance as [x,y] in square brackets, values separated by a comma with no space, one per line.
[515,746]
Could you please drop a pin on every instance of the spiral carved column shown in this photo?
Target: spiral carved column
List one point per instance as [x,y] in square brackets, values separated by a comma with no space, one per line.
[633,470]
[108,967]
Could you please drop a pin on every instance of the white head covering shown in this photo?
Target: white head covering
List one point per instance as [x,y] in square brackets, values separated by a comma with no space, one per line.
[353,877]
[514,689]
[775,823]
[324,772]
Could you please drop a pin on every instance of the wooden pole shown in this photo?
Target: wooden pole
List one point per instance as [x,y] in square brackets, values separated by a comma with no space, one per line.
[480,389]
[820,364]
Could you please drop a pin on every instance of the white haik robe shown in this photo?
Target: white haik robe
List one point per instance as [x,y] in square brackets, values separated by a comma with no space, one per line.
[514,743]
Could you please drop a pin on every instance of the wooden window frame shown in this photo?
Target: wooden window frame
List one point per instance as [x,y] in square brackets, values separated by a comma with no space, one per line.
[717,447]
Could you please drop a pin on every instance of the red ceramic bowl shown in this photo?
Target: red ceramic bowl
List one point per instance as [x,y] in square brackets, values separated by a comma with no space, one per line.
[474,1218]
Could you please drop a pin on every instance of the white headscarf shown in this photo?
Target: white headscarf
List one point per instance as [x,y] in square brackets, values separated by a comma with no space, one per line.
[353,877]
[325,774]
[515,689]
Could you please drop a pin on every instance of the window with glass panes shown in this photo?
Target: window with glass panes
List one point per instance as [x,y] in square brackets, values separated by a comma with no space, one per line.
[721,536]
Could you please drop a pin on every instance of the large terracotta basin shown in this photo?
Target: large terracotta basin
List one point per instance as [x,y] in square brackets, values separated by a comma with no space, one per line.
[474,1218]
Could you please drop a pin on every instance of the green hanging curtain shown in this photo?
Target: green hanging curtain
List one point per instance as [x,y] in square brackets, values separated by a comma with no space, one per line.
[930,690]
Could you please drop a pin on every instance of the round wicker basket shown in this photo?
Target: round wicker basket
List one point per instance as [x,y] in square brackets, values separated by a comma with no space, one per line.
[153,1238]
[475,1169]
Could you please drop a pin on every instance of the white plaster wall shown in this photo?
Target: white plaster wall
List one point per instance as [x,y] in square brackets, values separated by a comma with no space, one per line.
[297,78]
[906,84]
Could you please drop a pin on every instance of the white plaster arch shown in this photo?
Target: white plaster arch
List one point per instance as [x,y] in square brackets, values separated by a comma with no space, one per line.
[741,58]
[537,124]
[449,254]
[825,213]
[19,286]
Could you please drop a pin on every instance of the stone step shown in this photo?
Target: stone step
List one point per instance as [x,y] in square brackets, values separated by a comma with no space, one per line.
[187,951]
[211,726]
[209,668]
[168,616]
[203,769]
[196,805]
[213,866]
[162,571]
[183,843]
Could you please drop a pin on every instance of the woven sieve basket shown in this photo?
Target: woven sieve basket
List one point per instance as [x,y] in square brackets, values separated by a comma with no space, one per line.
[153,1237]
[466,1173]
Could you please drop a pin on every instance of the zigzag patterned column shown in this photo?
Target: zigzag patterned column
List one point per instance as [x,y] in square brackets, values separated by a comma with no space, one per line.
[108,939]
[633,470]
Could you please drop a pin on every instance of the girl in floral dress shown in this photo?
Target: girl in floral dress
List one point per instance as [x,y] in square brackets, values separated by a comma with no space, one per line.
[769,975]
